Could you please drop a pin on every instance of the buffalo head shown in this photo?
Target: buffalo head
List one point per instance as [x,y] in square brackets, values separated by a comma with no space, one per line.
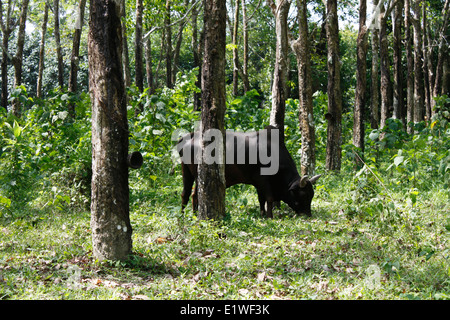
[300,195]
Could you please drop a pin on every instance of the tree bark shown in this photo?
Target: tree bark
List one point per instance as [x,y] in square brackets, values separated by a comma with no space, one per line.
[58,45]
[196,49]
[138,51]
[442,54]
[375,93]
[211,177]
[385,79]
[125,56]
[334,115]
[110,221]
[245,39]
[168,35]
[419,92]
[149,66]
[360,101]
[280,10]
[410,71]
[41,52]
[73,77]
[306,115]
[74,60]
[18,59]
[7,25]
[397,61]
[235,49]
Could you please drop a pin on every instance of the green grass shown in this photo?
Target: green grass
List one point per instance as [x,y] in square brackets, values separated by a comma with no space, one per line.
[388,248]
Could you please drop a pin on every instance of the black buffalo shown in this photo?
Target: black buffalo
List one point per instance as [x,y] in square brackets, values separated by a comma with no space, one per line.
[285,185]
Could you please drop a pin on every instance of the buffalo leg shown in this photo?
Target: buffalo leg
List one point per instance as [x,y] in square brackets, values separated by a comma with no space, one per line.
[262,203]
[188,181]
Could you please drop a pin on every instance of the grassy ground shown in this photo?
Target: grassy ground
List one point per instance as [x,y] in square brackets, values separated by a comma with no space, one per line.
[353,247]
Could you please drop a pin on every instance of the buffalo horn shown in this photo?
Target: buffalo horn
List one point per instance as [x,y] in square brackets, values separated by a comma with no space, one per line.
[314,179]
[303,181]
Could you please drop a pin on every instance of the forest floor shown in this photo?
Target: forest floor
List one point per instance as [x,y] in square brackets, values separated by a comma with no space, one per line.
[385,247]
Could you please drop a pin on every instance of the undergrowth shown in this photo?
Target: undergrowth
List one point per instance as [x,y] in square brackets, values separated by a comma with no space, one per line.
[380,228]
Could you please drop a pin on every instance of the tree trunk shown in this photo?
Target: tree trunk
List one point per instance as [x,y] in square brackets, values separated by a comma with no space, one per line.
[306,118]
[211,177]
[426,63]
[110,221]
[41,52]
[149,66]
[279,87]
[73,76]
[138,59]
[375,93]
[442,54]
[169,82]
[397,61]
[176,51]
[410,71]
[419,93]
[125,56]
[235,49]
[360,101]
[197,58]
[58,45]
[18,59]
[385,79]
[334,115]
[7,25]
[245,39]
[5,47]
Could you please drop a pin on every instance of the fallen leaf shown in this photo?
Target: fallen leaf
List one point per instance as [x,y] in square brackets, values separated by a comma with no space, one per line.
[243,291]
[161,240]
[261,276]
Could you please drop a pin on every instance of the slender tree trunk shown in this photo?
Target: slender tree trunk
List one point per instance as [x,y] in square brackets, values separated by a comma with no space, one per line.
[7,25]
[360,100]
[58,45]
[18,59]
[334,115]
[74,60]
[149,66]
[5,47]
[410,71]
[375,93]
[426,63]
[235,49]
[211,177]
[442,53]
[245,39]
[110,221]
[306,118]
[138,51]
[179,40]
[197,58]
[169,82]
[125,55]
[419,93]
[280,10]
[73,78]
[42,51]
[385,79]
[397,65]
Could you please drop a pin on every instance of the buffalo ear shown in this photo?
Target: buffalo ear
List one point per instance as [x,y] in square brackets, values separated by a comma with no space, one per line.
[315,178]
[303,181]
